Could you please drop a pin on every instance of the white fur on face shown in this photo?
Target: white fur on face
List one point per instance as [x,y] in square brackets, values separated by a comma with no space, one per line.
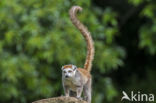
[68,72]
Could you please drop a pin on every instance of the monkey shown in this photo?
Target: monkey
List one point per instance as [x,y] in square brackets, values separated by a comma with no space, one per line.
[77,80]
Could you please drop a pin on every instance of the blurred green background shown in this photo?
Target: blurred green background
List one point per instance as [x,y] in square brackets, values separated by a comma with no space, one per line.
[37,38]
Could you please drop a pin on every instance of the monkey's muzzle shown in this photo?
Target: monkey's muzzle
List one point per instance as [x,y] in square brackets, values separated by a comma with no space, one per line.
[66,76]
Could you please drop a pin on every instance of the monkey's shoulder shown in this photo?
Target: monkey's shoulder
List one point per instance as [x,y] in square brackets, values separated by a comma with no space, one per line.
[84,73]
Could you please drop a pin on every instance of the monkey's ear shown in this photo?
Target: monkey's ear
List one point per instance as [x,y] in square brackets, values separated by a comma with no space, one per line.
[74,67]
[62,68]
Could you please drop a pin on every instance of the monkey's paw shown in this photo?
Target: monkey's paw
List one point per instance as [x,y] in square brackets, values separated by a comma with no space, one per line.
[79,98]
[62,95]
[66,95]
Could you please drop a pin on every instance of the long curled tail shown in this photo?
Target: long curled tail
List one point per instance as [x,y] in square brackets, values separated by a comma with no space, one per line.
[86,34]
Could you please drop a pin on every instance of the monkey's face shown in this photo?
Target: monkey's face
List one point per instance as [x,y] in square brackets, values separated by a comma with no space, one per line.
[68,71]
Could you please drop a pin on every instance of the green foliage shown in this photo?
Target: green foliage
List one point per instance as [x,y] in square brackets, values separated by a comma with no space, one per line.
[136,2]
[37,38]
[148,30]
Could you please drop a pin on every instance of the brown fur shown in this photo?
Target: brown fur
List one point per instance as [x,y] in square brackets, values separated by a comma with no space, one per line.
[84,72]
[86,34]
[67,66]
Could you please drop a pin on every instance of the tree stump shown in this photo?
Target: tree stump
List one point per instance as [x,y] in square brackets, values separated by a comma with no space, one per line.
[60,100]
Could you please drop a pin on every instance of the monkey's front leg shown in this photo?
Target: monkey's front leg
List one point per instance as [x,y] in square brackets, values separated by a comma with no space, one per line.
[79,92]
[67,91]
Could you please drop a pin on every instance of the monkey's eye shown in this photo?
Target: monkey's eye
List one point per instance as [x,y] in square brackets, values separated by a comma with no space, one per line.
[69,71]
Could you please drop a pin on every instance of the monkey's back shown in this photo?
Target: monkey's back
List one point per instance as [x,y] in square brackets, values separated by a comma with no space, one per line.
[84,72]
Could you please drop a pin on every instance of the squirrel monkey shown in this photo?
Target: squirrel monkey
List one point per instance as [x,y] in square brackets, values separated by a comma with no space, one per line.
[77,80]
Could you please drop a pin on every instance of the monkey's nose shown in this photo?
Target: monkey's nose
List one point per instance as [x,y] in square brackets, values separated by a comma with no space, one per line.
[66,76]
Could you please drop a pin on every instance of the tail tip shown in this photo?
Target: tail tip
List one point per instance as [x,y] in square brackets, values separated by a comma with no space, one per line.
[76,8]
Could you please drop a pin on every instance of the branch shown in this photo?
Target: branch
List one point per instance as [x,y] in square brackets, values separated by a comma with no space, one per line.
[60,100]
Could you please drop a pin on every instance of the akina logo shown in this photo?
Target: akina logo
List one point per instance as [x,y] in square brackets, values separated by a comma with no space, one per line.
[137,97]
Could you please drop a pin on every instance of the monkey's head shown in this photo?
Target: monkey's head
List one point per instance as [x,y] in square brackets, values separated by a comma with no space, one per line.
[68,71]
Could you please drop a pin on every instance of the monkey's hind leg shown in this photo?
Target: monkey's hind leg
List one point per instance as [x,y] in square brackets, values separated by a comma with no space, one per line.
[88,91]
